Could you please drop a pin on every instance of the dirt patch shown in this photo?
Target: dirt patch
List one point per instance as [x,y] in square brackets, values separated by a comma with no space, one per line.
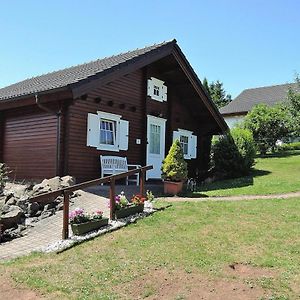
[179,284]
[247,271]
[8,290]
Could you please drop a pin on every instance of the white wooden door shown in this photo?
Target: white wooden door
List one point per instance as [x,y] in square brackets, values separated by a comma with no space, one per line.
[156,135]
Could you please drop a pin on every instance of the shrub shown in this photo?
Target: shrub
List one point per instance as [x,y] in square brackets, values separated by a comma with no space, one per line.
[267,124]
[290,146]
[233,154]
[174,167]
[3,176]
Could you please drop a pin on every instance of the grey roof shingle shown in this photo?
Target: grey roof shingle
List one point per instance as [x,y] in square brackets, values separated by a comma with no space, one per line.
[68,76]
[247,99]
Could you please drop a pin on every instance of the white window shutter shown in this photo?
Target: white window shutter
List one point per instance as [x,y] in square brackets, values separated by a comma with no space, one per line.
[176,135]
[123,135]
[150,88]
[93,131]
[193,146]
[164,92]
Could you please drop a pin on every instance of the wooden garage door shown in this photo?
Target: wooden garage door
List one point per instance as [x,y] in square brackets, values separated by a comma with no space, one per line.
[30,143]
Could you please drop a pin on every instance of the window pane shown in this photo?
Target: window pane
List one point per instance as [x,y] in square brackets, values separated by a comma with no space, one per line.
[184,142]
[154,139]
[107,132]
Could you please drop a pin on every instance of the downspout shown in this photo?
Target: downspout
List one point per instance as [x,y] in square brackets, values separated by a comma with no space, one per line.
[58,130]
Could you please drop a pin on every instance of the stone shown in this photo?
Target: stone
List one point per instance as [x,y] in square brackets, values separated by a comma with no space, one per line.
[2,202]
[75,194]
[12,217]
[13,232]
[33,208]
[67,181]
[23,204]
[8,195]
[59,206]
[19,191]
[6,209]
[11,201]
[50,206]
[47,214]
[39,189]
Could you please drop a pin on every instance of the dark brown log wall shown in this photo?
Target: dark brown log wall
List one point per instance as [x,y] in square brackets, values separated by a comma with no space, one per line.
[29,143]
[1,135]
[181,114]
[123,97]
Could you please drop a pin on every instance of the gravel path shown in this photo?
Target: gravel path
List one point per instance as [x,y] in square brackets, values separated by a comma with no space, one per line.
[233,198]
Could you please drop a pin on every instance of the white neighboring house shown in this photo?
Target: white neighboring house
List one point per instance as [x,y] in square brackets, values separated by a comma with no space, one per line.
[236,110]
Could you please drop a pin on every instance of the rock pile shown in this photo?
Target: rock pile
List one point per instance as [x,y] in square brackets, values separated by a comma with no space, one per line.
[17,212]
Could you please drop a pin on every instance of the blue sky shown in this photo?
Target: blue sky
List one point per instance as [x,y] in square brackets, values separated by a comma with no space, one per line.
[242,43]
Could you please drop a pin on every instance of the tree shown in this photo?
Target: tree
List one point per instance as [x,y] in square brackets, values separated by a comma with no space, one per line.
[174,167]
[217,92]
[267,124]
[292,106]
[233,153]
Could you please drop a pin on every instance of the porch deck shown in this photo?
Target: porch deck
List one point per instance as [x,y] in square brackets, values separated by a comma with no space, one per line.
[129,190]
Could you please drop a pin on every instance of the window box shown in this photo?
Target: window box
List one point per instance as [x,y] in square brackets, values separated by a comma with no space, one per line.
[130,210]
[80,229]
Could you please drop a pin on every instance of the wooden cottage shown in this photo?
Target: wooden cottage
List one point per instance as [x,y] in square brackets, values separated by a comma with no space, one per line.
[132,105]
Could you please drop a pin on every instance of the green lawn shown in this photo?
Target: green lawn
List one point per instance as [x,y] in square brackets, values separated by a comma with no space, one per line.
[195,239]
[274,174]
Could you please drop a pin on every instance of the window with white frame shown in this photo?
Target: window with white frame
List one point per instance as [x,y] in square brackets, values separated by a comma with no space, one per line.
[184,142]
[157,90]
[188,142]
[106,131]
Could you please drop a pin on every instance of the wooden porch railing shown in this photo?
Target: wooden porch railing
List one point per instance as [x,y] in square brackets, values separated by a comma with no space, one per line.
[66,192]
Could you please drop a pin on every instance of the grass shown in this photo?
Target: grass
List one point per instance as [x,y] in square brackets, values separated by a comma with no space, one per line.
[200,237]
[272,174]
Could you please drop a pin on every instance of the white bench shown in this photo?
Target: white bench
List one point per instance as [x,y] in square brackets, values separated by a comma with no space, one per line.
[111,165]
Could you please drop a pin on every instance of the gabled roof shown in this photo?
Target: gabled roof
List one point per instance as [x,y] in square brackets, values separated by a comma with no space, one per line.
[247,99]
[72,75]
[81,78]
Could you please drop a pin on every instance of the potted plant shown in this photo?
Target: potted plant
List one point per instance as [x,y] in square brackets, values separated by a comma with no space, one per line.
[174,169]
[125,208]
[82,222]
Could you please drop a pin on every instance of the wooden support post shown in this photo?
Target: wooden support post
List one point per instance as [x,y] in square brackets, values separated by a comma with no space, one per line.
[142,182]
[112,199]
[65,231]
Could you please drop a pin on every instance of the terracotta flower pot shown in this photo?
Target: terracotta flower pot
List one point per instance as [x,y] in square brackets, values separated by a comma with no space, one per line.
[172,187]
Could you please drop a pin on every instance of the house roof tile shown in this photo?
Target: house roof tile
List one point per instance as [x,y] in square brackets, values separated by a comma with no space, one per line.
[247,99]
[75,74]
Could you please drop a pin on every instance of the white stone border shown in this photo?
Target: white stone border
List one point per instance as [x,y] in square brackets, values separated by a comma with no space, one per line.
[113,225]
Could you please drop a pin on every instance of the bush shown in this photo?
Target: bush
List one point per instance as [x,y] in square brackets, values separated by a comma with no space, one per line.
[174,167]
[3,176]
[291,146]
[233,154]
[267,124]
